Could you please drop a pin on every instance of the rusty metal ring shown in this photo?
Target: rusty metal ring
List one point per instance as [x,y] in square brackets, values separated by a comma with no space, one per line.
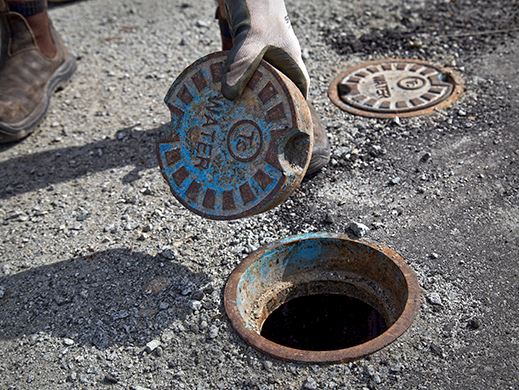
[232,301]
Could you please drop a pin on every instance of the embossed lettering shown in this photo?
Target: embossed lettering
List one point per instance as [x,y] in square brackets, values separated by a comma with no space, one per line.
[214,106]
[204,149]
[381,86]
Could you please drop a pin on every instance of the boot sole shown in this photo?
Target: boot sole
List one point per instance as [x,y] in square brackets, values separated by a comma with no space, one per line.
[321,152]
[16,131]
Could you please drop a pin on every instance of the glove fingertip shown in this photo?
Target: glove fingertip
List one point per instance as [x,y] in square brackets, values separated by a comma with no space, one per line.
[230,92]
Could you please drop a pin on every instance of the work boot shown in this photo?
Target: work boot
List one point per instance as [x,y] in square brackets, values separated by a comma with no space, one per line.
[27,77]
[321,151]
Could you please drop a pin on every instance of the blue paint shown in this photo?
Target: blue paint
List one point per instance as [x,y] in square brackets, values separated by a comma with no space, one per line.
[283,258]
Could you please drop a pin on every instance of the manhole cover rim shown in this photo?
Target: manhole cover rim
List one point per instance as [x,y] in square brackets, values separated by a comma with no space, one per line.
[282,352]
[457,90]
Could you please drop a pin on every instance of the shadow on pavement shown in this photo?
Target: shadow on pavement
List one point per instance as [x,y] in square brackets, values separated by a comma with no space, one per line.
[114,297]
[31,172]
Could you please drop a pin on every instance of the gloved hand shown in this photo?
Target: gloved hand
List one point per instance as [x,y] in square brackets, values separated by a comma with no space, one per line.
[260,29]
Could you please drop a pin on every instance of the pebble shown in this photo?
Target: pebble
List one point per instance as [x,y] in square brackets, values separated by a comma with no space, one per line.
[434,255]
[425,157]
[112,228]
[167,336]
[394,181]
[437,350]
[168,253]
[201,23]
[310,384]
[377,378]
[111,379]
[82,216]
[131,225]
[357,229]
[328,219]
[395,367]
[434,299]
[267,365]
[213,332]
[83,378]
[474,323]
[68,341]
[198,295]
[196,305]
[120,315]
[152,345]
[378,225]
[2,292]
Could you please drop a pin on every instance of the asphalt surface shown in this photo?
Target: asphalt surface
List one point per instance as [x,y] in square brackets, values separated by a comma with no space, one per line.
[107,282]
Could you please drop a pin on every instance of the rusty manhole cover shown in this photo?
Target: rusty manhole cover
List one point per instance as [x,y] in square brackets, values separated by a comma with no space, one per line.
[228,159]
[395,88]
[321,298]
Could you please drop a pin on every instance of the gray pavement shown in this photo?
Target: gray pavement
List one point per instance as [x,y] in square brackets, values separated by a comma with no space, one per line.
[98,260]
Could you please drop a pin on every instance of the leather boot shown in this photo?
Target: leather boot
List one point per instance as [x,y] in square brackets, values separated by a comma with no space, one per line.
[321,153]
[27,77]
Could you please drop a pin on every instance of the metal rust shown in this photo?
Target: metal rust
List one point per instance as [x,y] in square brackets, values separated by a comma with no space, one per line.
[321,263]
[228,159]
[395,87]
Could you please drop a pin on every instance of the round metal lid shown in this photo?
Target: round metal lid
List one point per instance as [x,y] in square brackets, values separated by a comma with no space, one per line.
[228,159]
[395,87]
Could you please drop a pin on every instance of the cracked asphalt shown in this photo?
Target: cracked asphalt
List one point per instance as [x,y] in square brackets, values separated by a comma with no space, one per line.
[106,281]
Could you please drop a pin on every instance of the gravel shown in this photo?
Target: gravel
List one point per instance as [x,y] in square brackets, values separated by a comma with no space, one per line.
[96,250]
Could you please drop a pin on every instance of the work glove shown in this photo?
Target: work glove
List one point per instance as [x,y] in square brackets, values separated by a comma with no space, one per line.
[260,29]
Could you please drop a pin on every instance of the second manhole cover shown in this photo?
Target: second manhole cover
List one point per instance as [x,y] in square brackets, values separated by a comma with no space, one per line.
[395,87]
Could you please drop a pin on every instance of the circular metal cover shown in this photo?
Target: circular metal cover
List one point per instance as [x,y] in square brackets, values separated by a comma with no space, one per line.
[227,159]
[395,87]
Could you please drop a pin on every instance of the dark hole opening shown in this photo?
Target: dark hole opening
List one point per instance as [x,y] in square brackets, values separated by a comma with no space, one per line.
[323,322]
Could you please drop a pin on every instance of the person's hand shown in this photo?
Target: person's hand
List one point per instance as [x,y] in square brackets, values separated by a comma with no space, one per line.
[260,29]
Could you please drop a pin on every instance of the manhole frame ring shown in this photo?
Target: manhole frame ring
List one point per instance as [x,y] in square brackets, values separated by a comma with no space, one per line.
[356,352]
[333,90]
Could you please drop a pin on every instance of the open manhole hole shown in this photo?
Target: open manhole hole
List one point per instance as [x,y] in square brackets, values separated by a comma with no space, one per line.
[395,88]
[321,298]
